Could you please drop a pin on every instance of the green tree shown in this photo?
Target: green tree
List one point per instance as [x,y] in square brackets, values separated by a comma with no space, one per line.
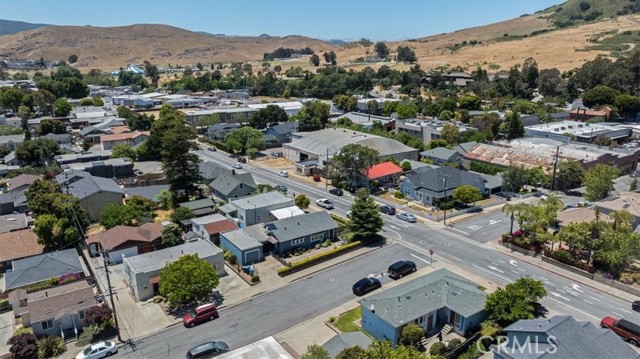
[513,127]
[313,116]
[74,88]
[633,185]
[169,118]
[628,106]
[314,351]
[180,214]
[124,150]
[598,182]
[406,110]
[450,133]
[207,121]
[570,174]
[330,57]
[381,49]
[315,60]
[346,103]
[437,143]
[384,350]
[86,102]
[10,98]
[190,278]
[406,166]
[73,58]
[49,125]
[37,151]
[469,102]
[514,302]
[356,352]
[599,96]
[277,69]
[352,161]
[97,102]
[23,346]
[62,107]
[115,214]
[268,116]
[181,166]
[406,54]
[467,194]
[366,221]
[244,138]
[152,72]
[302,201]
[412,334]
[54,232]
[171,235]
[165,198]
[514,178]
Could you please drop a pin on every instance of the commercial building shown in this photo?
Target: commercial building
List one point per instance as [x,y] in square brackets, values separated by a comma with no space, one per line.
[567,131]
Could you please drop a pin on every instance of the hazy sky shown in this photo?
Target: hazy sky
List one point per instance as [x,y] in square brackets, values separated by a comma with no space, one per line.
[324,19]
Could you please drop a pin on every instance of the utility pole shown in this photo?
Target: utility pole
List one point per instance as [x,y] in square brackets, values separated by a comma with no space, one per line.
[113,304]
[445,200]
[326,177]
[555,166]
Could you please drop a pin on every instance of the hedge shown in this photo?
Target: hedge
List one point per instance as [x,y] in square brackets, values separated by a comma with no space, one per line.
[340,220]
[319,258]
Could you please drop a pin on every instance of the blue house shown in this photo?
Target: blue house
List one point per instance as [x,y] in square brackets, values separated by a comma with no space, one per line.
[431,301]
[427,185]
[245,247]
[442,155]
[303,231]
[283,131]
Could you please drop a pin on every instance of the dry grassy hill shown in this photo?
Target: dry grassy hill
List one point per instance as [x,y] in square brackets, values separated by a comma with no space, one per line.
[112,47]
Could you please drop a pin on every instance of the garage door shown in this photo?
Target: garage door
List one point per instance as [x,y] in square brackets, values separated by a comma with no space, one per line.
[116,256]
[252,256]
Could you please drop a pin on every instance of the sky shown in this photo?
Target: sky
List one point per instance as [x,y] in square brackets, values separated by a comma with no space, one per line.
[322,19]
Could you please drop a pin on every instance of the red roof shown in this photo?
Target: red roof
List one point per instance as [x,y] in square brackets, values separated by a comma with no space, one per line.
[221,226]
[383,169]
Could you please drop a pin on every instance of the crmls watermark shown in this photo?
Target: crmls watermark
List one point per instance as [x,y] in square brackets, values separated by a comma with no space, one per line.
[528,345]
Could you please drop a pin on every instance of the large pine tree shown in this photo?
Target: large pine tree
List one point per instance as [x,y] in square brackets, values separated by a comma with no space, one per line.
[366,221]
[180,165]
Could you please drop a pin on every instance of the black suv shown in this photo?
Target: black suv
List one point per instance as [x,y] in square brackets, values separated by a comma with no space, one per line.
[387,209]
[366,285]
[336,192]
[401,268]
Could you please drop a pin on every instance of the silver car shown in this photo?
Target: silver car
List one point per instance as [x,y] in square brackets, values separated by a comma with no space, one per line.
[324,203]
[407,217]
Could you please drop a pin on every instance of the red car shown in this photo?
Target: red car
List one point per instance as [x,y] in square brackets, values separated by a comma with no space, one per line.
[200,314]
[624,328]
[242,159]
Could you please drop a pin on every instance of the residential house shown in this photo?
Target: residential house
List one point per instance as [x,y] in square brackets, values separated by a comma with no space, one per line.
[562,337]
[459,79]
[14,222]
[465,147]
[385,173]
[629,201]
[304,231]
[18,245]
[83,116]
[212,170]
[21,182]
[218,131]
[143,271]
[126,138]
[13,202]
[204,203]
[11,142]
[43,267]
[57,311]
[441,156]
[235,185]
[82,157]
[111,168]
[584,114]
[340,342]
[283,131]
[434,185]
[247,249]
[432,301]
[257,208]
[12,160]
[94,193]
[579,215]
[210,227]
[92,133]
[127,241]
[60,139]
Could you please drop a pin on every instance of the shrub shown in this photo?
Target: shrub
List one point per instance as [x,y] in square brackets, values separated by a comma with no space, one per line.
[437,348]
[22,330]
[562,256]
[398,195]
[304,263]
[100,316]
[326,243]
[454,343]
[411,334]
[230,257]
[51,346]
[255,278]
[158,299]
[332,318]
[24,345]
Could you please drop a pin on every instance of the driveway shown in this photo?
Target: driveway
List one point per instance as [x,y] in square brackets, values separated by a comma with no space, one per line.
[6,331]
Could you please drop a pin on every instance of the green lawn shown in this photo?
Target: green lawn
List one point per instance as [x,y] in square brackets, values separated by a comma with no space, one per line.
[346,322]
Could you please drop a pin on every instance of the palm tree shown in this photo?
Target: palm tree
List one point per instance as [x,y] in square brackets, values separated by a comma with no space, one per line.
[516,210]
[621,220]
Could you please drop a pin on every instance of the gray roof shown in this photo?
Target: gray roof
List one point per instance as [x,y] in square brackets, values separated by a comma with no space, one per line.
[152,261]
[343,341]
[300,226]
[490,181]
[149,192]
[211,170]
[333,139]
[441,153]
[216,217]
[42,267]
[406,302]
[13,222]
[257,232]
[431,178]
[261,200]
[285,128]
[465,147]
[242,240]
[11,138]
[82,184]
[198,204]
[18,198]
[10,157]
[227,183]
[574,339]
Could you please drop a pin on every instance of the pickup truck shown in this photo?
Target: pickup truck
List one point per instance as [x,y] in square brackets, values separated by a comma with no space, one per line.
[624,328]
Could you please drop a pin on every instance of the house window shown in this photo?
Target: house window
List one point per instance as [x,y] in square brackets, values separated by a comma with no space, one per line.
[47,324]
[81,314]
[421,320]
[241,185]
[317,237]
[258,217]
[407,191]
[295,242]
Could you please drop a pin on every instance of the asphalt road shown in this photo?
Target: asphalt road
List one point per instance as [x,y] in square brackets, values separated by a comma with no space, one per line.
[278,310]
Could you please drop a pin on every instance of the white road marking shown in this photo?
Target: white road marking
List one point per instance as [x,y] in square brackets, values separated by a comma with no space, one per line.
[513,263]
[474,227]
[576,288]
[495,269]
[543,278]
[588,302]
[492,221]
[594,298]
[576,309]
[454,257]
[424,260]
[497,275]
[456,229]
[624,310]
[549,283]
[618,314]
[514,272]
[501,261]
[559,296]
[394,227]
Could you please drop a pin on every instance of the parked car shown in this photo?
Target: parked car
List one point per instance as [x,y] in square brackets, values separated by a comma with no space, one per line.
[237,166]
[624,328]
[98,350]
[401,268]
[212,149]
[207,350]
[504,195]
[366,285]
[336,192]
[408,217]
[200,314]
[276,154]
[474,209]
[324,203]
[283,173]
[636,306]
[387,209]
[281,188]
[242,159]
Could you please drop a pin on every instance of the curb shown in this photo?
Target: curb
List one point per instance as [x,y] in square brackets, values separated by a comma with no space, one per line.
[599,290]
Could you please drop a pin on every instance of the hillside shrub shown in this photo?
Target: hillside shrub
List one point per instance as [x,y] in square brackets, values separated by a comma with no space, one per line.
[437,348]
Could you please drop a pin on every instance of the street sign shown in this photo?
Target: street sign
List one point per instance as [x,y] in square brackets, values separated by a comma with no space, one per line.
[431,251]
